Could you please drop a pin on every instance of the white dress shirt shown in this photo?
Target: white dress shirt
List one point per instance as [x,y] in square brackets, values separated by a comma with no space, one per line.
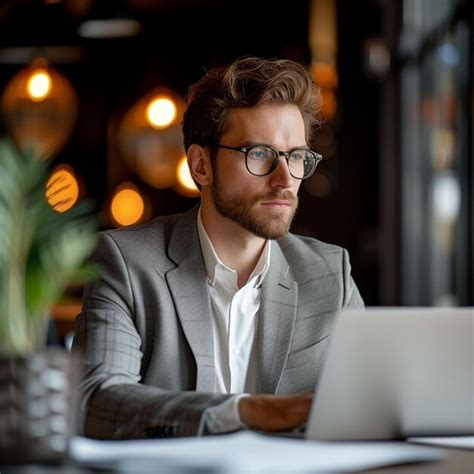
[234,314]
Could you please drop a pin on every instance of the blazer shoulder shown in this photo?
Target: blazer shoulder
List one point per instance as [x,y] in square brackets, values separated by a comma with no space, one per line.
[303,247]
[311,259]
[158,228]
[307,255]
[139,245]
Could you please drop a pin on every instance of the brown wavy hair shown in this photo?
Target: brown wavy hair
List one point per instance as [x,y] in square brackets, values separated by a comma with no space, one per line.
[247,82]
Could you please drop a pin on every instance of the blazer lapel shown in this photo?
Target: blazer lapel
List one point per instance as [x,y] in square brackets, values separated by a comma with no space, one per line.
[187,283]
[276,321]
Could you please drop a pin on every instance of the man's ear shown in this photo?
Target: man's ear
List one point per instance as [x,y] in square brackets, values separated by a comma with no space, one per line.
[199,164]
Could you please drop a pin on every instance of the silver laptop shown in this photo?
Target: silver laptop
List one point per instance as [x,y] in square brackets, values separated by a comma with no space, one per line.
[396,372]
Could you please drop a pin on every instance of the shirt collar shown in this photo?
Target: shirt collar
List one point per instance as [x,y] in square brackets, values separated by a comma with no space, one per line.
[212,260]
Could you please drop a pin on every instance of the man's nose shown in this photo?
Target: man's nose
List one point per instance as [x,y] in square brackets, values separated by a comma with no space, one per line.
[281,176]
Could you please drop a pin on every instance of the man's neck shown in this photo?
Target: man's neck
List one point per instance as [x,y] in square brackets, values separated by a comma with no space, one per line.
[238,248]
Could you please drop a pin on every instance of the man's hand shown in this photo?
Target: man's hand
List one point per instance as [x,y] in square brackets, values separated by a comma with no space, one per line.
[275,412]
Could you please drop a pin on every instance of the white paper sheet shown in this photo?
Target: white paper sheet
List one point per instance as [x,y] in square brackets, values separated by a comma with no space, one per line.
[250,452]
[464,442]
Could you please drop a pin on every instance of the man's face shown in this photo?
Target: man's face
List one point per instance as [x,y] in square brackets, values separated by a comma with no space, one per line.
[263,205]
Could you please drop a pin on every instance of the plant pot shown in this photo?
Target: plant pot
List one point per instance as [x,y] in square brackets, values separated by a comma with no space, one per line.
[37,406]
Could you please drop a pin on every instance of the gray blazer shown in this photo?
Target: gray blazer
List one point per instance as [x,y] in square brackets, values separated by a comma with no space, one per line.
[145,336]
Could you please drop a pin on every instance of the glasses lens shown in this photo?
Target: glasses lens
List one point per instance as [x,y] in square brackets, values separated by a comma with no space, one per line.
[302,163]
[260,160]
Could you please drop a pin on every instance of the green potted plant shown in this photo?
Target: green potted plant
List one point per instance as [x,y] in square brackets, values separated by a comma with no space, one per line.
[42,251]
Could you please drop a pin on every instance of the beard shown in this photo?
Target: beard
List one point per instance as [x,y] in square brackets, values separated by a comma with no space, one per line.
[269,224]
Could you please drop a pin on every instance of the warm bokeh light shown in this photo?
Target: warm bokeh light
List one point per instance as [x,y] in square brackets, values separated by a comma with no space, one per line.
[161,112]
[329,104]
[153,152]
[127,205]
[39,85]
[39,108]
[62,189]
[186,183]
[324,74]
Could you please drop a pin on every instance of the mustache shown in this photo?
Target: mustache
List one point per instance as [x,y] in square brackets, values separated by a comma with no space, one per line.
[286,195]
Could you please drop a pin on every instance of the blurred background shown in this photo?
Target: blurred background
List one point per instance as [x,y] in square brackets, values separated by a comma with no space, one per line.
[98,87]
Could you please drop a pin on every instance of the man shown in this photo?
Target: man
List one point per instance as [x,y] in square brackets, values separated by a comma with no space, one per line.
[218,318]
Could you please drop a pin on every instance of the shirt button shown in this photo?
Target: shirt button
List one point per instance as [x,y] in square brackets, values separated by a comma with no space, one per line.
[236,352]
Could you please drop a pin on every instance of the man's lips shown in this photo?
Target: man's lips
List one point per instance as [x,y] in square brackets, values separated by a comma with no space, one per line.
[277,203]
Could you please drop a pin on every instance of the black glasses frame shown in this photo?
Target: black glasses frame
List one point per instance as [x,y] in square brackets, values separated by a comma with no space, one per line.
[247,149]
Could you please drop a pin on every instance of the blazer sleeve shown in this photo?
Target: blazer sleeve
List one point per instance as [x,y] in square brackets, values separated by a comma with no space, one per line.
[113,403]
[351,296]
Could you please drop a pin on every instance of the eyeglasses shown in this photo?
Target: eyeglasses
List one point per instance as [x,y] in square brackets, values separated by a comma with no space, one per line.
[261,160]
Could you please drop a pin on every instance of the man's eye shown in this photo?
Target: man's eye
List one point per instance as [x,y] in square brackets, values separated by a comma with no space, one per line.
[297,156]
[258,154]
